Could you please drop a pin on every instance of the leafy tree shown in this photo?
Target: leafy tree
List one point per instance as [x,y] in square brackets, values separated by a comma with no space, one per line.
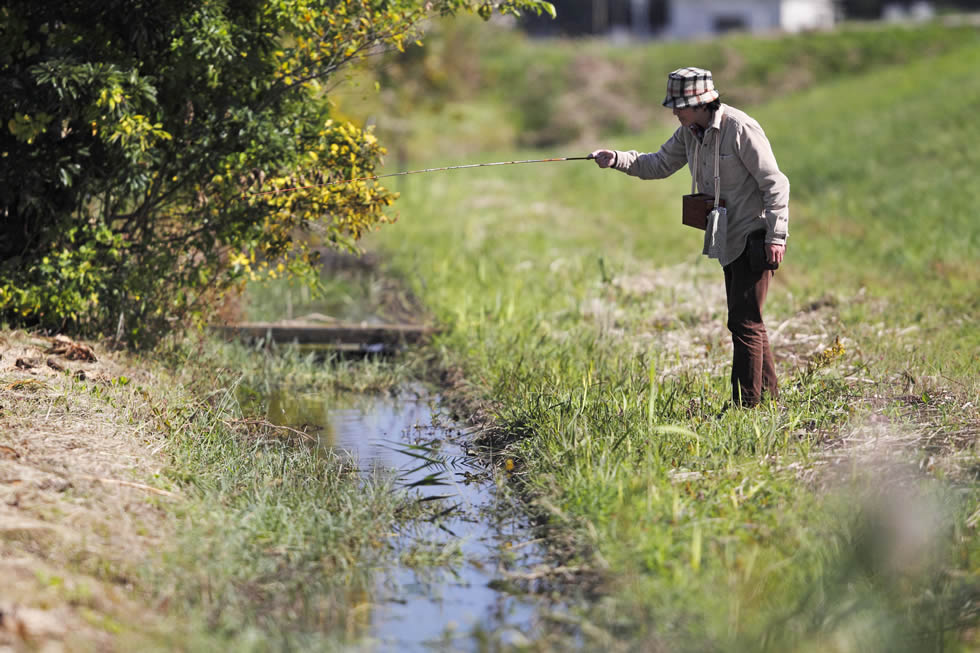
[140,143]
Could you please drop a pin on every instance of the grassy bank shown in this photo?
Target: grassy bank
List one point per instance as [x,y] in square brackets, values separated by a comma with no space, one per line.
[843,518]
[149,504]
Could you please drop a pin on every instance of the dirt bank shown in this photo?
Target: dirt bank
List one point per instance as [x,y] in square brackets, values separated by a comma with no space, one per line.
[81,502]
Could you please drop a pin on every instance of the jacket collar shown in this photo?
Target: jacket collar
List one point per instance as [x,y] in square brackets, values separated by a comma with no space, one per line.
[714,124]
[716,118]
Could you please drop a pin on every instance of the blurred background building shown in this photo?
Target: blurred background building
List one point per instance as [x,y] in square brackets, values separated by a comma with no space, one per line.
[683,19]
[693,18]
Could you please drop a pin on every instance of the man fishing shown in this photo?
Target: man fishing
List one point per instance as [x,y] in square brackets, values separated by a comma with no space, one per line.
[730,158]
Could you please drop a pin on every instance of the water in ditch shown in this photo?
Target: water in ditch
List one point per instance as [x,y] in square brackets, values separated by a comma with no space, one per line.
[465,604]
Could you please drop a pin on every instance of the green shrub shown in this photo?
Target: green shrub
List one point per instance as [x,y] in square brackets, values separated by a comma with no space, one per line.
[141,146]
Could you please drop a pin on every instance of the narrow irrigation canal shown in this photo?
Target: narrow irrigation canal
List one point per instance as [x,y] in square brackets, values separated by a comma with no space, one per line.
[463,604]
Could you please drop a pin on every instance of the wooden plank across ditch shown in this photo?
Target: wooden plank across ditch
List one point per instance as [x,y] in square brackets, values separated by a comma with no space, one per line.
[339,334]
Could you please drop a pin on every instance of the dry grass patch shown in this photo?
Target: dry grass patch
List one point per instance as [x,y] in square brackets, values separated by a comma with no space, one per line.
[680,310]
[81,505]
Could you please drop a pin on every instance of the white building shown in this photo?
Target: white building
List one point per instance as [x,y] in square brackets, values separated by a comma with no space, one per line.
[917,11]
[700,18]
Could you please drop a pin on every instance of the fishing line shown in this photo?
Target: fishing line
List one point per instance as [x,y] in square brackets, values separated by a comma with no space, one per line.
[416,172]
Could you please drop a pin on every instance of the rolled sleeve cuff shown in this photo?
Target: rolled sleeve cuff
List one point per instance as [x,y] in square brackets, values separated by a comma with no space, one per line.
[620,161]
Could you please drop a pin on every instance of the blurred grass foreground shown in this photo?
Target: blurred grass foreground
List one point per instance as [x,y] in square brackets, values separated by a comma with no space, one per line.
[579,309]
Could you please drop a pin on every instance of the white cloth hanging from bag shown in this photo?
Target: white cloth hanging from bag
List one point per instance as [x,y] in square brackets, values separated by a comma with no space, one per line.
[716,230]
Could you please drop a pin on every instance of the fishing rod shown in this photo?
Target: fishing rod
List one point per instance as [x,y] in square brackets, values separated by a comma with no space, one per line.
[416,172]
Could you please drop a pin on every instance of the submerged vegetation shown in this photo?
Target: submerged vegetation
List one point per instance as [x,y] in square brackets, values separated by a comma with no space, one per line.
[280,547]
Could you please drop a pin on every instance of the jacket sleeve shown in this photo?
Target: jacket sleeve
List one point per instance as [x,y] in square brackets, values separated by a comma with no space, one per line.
[656,165]
[755,152]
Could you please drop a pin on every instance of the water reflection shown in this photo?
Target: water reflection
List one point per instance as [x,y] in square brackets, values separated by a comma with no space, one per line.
[480,534]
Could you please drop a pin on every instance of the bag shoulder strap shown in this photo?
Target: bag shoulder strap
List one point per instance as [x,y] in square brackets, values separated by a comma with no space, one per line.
[694,172]
[717,169]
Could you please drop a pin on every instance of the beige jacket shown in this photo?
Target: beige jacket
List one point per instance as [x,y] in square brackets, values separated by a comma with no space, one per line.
[756,193]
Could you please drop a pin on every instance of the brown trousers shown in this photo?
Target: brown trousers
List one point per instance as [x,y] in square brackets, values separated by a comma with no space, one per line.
[752,367]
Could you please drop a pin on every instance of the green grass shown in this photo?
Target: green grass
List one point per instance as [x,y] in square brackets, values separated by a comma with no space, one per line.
[277,541]
[887,201]
[578,304]
[476,87]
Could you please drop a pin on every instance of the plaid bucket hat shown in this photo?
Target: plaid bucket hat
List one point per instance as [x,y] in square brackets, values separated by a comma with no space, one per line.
[689,87]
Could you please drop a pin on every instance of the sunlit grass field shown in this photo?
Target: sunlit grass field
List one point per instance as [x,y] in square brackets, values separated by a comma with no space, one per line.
[841,519]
